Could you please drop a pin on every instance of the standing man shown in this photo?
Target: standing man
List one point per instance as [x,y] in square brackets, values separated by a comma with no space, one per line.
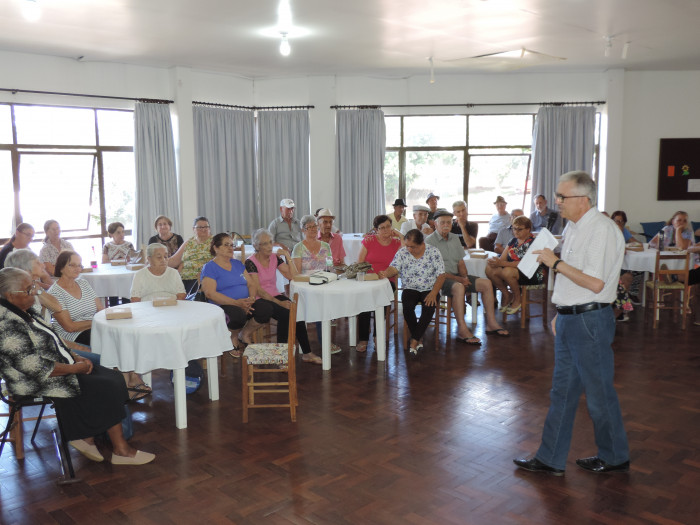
[432,202]
[419,221]
[285,229]
[584,328]
[398,218]
[500,219]
[458,283]
[544,217]
[334,240]
[506,234]
[464,229]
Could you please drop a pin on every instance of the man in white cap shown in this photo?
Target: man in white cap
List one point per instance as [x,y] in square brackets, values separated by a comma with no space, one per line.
[419,221]
[325,234]
[285,229]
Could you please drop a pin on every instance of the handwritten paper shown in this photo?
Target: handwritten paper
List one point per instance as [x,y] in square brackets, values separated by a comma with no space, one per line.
[528,264]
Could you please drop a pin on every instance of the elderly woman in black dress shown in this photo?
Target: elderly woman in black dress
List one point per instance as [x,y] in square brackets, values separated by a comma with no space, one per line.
[34,362]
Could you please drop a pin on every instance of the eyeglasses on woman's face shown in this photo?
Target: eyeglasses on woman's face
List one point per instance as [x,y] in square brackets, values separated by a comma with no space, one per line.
[311,228]
[32,290]
[202,227]
[515,229]
[227,245]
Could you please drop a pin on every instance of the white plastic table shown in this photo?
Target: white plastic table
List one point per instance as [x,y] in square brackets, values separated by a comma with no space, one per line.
[164,337]
[110,281]
[343,298]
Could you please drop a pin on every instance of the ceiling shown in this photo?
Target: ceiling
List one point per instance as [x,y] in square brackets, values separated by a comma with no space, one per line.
[378,38]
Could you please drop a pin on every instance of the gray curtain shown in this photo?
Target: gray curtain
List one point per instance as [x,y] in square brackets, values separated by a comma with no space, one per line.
[156,177]
[361,136]
[283,161]
[563,141]
[224,152]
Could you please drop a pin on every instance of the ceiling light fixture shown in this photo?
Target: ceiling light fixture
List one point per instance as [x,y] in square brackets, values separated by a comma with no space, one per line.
[625,50]
[285,48]
[31,10]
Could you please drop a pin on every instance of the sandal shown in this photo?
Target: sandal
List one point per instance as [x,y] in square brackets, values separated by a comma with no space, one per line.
[361,347]
[501,332]
[473,340]
[136,393]
[236,352]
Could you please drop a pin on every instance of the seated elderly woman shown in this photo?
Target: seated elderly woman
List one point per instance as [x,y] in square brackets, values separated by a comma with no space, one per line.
[79,305]
[226,282]
[34,362]
[677,233]
[262,269]
[53,245]
[117,248]
[503,271]
[157,280]
[172,241]
[24,234]
[422,274]
[193,254]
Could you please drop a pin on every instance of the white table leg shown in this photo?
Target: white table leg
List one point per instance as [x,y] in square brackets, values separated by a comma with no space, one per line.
[326,344]
[213,377]
[147,379]
[180,395]
[475,302]
[352,330]
[380,325]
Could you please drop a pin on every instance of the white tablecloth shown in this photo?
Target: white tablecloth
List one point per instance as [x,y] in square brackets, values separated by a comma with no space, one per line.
[164,337]
[477,267]
[352,242]
[646,261]
[343,298]
[110,281]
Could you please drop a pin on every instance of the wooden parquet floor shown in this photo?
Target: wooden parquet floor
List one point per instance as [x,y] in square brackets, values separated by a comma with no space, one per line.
[417,441]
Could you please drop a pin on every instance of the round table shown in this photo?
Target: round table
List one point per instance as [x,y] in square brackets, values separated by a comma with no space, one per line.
[343,298]
[110,281]
[164,337]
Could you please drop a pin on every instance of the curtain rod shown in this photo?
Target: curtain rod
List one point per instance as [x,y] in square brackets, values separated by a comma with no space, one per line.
[585,103]
[253,108]
[149,100]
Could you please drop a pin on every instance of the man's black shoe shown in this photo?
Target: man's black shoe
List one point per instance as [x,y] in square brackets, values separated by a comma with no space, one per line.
[535,465]
[597,465]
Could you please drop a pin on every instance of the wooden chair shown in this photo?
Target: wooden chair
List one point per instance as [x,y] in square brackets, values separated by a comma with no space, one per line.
[14,432]
[662,290]
[392,316]
[271,358]
[443,316]
[526,300]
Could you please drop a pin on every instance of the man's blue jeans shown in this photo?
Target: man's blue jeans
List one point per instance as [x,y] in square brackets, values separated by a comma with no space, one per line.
[584,362]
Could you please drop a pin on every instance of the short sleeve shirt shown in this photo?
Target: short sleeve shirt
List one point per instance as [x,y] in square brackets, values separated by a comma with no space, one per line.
[49,253]
[472,229]
[498,221]
[230,283]
[450,249]
[148,286]
[117,251]
[79,309]
[285,233]
[419,274]
[194,257]
[337,248]
[516,252]
[311,262]
[172,245]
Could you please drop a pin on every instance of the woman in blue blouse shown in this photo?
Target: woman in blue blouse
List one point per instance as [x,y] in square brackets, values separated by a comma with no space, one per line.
[503,271]
[225,282]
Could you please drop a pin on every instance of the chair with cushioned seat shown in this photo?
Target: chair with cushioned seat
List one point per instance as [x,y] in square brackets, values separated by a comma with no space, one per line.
[265,359]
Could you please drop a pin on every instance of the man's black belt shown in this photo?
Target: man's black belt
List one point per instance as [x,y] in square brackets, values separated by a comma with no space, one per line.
[580,308]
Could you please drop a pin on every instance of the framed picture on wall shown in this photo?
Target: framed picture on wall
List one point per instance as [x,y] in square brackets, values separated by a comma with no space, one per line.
[679,170]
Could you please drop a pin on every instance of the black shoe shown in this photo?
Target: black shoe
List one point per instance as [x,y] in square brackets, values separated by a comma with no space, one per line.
[535,465]
[597,465]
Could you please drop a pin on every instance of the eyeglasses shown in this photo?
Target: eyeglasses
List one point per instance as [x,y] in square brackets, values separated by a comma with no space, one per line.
[32,290]
[561,198]
[227,244]
[311,228]
[72,265]
[201,227]
[386,227]
[518,229]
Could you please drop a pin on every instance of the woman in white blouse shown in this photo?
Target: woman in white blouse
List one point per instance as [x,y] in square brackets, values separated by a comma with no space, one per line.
[53,245]
[157,280]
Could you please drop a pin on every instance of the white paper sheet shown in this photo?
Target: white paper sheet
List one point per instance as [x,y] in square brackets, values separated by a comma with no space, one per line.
[528,264]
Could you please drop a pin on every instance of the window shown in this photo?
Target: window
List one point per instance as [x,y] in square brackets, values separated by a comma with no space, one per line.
[74,165]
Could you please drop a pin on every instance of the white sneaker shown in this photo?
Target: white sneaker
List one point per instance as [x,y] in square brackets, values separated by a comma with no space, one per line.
[335,349]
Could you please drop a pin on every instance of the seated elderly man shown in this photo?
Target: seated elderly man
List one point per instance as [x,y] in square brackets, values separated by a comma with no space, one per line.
[544,217]
[285,229]
[461,227]
[505,235]
[398,218]
[157,280]
[500,219]
[325,220]
[419,221]
[458,283]
[432,202]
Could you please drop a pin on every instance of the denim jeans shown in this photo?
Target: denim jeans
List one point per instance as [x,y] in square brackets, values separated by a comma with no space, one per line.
[584,362]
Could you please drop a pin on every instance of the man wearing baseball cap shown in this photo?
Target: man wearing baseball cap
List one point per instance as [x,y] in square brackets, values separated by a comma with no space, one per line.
[285,229]
[500,219]
[325,219]
[419,221]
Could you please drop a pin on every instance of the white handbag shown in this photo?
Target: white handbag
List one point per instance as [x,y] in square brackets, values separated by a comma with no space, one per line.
[317,278]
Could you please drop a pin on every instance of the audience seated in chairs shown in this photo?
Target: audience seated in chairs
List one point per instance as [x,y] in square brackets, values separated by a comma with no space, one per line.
[501,219]
[505,235]
[194,254]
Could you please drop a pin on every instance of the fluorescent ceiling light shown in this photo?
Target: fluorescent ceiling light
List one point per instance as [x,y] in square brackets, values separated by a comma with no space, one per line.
[31,10]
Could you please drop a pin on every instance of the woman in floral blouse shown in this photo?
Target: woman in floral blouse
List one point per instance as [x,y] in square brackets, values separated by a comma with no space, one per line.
[503,271]
[194,254]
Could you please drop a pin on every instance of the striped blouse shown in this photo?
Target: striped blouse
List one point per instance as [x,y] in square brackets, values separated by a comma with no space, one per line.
[82,309]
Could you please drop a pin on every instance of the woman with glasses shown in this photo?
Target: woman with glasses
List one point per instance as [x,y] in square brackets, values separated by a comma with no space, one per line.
[225,282]
[503,271]
[80,304]
[21,239]
[88,398]
[193,255]
[379,251]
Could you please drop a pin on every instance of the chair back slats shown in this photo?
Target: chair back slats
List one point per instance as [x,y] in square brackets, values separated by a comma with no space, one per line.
[670,277]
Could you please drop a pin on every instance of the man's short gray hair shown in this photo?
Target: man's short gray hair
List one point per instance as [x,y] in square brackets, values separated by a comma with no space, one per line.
[459,204]
[307,219]
[585,185]
[22,259]
[518,210]
[257,237]
[151,249]
[11,279]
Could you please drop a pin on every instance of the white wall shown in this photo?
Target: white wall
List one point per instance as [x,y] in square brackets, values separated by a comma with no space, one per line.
[641,109]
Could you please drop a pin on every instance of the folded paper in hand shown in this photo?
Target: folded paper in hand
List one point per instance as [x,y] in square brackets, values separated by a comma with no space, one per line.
[322,277]
[528,264]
